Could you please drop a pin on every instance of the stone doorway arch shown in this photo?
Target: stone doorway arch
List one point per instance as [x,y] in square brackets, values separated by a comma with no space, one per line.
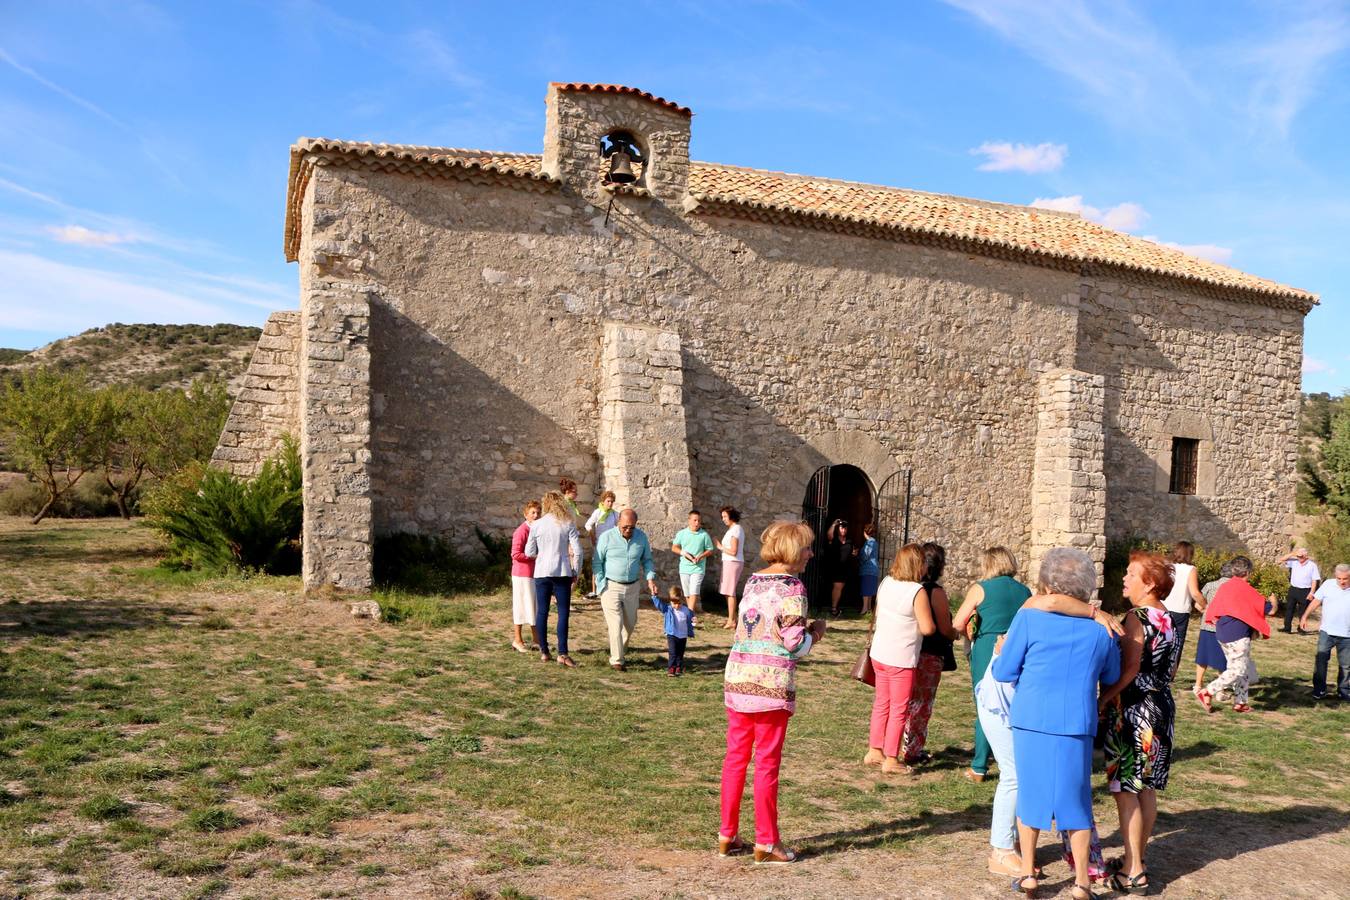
[828,448]
[859,458]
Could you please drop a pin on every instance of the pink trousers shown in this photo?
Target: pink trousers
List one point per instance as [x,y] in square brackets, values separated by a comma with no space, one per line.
[890,707]
[763,733]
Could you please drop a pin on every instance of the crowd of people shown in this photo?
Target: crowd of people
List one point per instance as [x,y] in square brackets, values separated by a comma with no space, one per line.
[1052,674]
[548,562]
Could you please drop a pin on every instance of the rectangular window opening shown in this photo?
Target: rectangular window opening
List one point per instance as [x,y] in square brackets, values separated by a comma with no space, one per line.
[1185,460]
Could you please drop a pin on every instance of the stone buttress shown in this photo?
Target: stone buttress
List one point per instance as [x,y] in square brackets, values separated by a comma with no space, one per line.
[1068,482]
[644,454]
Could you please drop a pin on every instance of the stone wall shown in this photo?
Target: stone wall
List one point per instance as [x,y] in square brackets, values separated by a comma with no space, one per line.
[464,345]
[487,333]
[644,455]
[1068,484]
[576,121]
[335,302]
[268,406]
[1178,364]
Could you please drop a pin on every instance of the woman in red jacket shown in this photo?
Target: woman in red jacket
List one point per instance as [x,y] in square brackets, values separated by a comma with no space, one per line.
[1238,613]
[522,578]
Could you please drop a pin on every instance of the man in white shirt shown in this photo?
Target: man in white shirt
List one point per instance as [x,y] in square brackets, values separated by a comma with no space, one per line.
[1334,598]
[1303,579]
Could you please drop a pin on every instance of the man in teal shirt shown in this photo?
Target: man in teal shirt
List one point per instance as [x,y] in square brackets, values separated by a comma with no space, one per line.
[622,555]
[693,545]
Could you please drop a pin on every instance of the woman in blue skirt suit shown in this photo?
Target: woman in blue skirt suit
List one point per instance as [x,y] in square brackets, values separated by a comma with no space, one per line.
[1056,662]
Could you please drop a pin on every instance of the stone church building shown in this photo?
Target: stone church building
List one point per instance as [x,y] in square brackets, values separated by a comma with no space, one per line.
[474,325]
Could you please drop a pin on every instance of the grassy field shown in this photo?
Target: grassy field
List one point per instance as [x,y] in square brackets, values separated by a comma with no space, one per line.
[164,735]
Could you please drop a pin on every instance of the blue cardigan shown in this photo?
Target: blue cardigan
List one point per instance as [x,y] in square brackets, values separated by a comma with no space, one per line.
[1056,662]
[679,619]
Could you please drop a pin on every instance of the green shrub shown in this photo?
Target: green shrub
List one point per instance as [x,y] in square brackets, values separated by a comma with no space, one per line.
[217,521]
[1267,577]
[1328,542]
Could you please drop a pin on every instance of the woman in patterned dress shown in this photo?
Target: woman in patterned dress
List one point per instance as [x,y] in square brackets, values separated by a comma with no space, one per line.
[761,686]
[1140,714]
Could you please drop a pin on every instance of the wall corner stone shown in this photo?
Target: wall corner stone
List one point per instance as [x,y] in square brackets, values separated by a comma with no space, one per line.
[1068,483]
[642,444]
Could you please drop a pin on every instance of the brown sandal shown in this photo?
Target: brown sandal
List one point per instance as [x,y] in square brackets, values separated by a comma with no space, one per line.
[777,855]
[730,846]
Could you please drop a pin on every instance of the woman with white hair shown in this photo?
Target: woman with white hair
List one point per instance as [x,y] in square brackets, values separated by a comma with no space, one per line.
[1064,586]
[1056,661]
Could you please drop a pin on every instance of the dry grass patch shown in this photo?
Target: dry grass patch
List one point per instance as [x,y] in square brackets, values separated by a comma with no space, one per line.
[163,728]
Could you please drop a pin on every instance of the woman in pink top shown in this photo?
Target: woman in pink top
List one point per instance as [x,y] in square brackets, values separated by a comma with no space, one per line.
[903,617]
[522,578]
[761,686]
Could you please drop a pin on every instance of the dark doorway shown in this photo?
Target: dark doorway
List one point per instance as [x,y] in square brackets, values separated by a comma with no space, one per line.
[836,492]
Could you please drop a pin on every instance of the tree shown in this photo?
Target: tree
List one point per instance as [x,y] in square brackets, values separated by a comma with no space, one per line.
[1336,465]
[129,440]
[186,425]
[55,427]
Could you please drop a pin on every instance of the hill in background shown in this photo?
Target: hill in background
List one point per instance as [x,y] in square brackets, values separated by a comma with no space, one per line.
[151,356]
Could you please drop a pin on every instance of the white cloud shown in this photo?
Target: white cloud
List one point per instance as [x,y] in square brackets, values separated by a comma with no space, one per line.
[56,88]
[1313,366]
[1291,64]
[1136,75]
[1211,252]
[53,296]
[78,234]
[1122,216]
[1126,67]
[1005,157]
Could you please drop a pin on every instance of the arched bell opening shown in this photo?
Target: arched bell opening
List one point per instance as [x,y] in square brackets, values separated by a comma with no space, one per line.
[833,493]
[625,158]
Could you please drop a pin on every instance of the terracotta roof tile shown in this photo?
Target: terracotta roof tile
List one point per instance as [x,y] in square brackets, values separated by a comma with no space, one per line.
[1021,228]
[1060,238]
[620,89]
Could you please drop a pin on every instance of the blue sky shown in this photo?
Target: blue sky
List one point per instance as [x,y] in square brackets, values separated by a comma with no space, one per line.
[143,146]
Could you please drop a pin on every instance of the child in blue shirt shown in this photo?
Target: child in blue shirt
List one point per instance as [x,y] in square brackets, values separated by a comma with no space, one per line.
[679,628]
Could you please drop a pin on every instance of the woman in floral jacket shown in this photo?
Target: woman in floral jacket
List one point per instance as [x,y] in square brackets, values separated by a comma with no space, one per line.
[761,686]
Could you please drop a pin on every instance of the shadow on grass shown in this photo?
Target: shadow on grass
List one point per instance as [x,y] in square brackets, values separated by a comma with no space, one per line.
[83,617]
[952,756]
[1187,842]
[908,828]
[1281,692]
[17,549]
[1195,751]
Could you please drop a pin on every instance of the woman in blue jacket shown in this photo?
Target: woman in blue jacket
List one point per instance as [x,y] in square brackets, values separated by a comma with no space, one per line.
[1056,662]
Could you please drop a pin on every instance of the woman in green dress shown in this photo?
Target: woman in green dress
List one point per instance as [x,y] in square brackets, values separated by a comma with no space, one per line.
[985,614]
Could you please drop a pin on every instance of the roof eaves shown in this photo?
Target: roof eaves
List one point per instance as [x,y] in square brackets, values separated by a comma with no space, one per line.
[1269,293]
[466,165]
[583,87]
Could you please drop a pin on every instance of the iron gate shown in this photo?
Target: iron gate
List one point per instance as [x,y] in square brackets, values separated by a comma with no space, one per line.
[815,513]
[892,516]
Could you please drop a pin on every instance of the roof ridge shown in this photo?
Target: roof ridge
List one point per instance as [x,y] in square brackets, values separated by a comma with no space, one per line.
[596,87]
[819,179]
[303,144]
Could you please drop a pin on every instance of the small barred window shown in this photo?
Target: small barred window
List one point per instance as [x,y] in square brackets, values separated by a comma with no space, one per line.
[1185,459]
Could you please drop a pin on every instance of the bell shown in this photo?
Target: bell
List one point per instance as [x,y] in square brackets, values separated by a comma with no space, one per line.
[621,168]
